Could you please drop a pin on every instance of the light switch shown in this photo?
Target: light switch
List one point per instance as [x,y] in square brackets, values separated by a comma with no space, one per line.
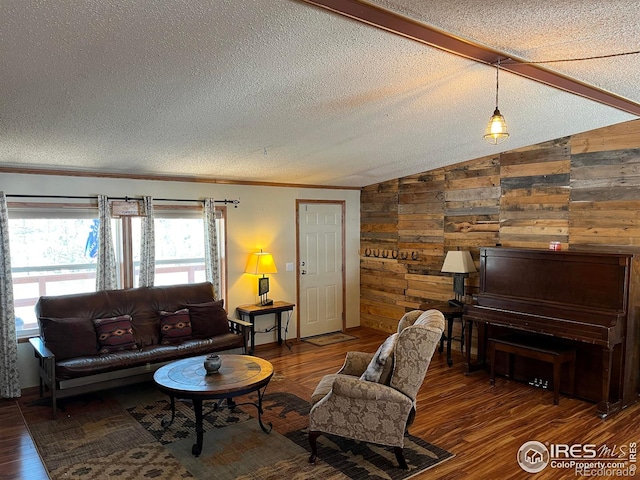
[289,267]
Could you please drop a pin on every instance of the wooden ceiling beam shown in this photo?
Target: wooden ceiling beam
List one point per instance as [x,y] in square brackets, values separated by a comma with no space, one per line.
[408,28]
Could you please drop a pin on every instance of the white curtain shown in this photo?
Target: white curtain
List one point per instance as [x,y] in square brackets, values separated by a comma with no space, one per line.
[106,268]
[9,374]
[211,260]
[147,245]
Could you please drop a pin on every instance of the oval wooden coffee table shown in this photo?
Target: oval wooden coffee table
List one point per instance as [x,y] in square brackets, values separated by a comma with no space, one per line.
[238,375]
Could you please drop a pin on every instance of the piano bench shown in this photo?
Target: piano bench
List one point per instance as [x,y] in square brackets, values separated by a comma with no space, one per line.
[557,355]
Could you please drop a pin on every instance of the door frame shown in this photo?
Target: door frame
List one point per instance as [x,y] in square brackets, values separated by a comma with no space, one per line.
[343,205]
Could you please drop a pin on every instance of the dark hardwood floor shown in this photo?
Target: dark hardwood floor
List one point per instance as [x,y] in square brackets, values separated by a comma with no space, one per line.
[19,459]
[483,426]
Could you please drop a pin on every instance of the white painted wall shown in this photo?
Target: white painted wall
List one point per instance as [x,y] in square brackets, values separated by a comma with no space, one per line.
[265,218]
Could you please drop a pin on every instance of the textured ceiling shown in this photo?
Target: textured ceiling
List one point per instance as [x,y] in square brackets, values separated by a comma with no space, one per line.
[281,91]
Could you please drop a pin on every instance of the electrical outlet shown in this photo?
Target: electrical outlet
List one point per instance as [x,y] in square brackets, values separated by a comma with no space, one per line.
[289,267]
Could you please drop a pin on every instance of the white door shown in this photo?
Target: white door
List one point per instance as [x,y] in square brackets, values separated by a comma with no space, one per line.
[320,268]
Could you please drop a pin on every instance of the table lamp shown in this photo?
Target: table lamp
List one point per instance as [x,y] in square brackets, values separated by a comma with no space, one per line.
[261,263]
[460,263]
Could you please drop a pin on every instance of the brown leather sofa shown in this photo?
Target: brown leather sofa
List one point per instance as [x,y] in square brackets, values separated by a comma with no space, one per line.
[92,341]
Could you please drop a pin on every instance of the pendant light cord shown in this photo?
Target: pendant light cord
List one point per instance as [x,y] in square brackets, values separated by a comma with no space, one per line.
[497,82]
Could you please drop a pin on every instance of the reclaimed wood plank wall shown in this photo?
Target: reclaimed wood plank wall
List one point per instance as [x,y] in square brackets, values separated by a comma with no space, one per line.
[420,225]
[382,278]
[578,190]
[534,206]
[605,187]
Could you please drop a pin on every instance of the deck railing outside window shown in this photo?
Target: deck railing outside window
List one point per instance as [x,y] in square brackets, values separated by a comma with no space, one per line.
[30,283]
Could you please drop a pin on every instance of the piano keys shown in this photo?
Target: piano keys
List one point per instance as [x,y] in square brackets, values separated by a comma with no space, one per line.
[587,299]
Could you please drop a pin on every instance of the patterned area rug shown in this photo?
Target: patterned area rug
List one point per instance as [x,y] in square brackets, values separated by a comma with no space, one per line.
[328,339]
[123,438]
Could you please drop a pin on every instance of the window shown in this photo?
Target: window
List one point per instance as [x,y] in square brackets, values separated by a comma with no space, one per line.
[179,242]
[179,250]
[53,252]
[49,256]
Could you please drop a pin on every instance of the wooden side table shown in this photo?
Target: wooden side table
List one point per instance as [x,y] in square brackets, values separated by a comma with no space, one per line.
[450,312]
[252,311]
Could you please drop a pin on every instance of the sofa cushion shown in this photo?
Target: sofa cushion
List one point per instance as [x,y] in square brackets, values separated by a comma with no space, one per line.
[86,366]
[208,319]
[115,333]
[382,358]
[69,337]
[175,326]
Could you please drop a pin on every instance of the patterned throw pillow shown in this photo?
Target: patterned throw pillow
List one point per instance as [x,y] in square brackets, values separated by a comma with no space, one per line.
[382,357]
[175,326]
[114,334]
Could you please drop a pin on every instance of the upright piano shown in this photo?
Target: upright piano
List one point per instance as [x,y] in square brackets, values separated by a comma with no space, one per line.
[585,298]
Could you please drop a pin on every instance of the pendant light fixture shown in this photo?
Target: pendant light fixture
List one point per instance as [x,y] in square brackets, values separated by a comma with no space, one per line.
[496,131]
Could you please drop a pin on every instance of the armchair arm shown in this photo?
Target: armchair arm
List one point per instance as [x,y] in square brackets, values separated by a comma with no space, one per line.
[362,410]
[357,389]
[355,363]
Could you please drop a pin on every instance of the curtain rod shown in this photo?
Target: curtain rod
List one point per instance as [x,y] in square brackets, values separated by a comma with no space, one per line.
[126,199]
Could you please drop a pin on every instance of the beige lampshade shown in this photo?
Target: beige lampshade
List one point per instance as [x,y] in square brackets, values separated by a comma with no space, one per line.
[261,263]
[458,261]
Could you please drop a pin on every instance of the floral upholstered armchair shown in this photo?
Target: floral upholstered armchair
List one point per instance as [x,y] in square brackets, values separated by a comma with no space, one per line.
[372,397]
